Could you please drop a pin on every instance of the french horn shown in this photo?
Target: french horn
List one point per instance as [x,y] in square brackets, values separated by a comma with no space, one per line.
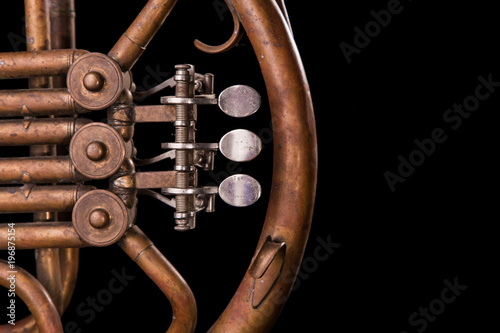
[82,178]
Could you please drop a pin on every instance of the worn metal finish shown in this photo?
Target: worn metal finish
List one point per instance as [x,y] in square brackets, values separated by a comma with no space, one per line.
[134,41]
[53,131]
[240,145]
[155,179]
[32,198]
[101,217]
[62,24]
[239,101]
[233,40]
[37,33]
[38,170]
[29,64]
[38,102]
[34,295]
[240,190]
[62,36]
[142,251]
[38,235]
[38,40]
[95,81]
[121,115]
[155,114]
[97,151]
[291,203]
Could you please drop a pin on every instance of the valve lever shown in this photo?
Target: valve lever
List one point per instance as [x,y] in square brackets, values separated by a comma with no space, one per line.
[179,188]
[240,145]
[240,190]
[239,101]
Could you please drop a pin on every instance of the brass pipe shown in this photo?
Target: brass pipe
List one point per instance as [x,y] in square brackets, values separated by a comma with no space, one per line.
[54,131]
[25,325]
[37,33]
[34,296]
[30,198]
[37,102]
[38,40]
[291,202]
[37,235]
[62,36]
[62,24]
[19,65]
[69,272]
[48,272]
[141,249]
[37,25]
[62,31]
[37,170]
[134,41]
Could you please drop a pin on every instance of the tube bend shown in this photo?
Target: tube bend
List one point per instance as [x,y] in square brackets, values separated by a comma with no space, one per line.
[36,298]
[294,167]
[141,249]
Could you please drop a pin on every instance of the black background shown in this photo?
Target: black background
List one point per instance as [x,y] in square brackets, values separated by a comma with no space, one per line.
[396,248]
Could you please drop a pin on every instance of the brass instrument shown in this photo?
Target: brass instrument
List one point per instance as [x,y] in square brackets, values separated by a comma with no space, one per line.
[82,182]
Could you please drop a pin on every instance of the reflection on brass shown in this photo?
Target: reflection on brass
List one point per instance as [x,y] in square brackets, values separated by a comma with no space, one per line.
[37,102]
[230,43]
[53,131]
[97,151]
[36,170]
[68,153]
[34,295]
[16,65]
[100,218]
[95,81]
[34,198]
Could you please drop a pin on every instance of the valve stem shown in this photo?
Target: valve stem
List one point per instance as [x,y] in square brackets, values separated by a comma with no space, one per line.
[184,133]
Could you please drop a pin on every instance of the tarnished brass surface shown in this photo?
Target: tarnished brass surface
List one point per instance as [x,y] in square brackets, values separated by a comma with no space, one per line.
[295,163]
[97,151]
[95,81]
[100,218]
[134,41]
[65,82]
[37,235]
[16,65]
[154,113]
[142,251]
[33,198]
[34,295]
[40,102]
[33,170]
[54,131]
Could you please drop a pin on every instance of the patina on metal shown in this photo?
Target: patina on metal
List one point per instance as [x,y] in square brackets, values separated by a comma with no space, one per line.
[66,83]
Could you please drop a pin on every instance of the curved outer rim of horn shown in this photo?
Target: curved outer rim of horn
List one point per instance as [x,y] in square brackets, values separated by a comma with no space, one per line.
[295,164]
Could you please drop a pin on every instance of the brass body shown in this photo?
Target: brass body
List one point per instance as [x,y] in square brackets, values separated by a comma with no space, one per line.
[50,63]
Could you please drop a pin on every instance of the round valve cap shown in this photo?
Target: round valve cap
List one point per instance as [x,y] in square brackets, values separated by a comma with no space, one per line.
[239,101]
[97,151]
[240,190]
[240,145]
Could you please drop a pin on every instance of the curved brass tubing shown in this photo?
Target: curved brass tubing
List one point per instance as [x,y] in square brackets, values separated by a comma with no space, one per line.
[36,298]
[134,41]
[295,164]
[142,251]
[230,43]
[267,284]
